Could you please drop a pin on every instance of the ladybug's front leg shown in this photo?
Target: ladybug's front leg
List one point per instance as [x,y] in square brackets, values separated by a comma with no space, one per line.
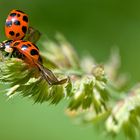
[14,53]
[11,54]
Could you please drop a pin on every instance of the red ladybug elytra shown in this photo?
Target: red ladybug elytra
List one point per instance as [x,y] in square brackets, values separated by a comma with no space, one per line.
[28,49]
[16,25]
[30,54]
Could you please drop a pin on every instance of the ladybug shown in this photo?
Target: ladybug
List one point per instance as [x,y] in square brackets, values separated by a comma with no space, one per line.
[29,52]
[16,25]
[16,28]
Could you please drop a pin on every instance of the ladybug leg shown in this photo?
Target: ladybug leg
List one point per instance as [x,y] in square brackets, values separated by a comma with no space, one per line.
[10,55]
[15,53]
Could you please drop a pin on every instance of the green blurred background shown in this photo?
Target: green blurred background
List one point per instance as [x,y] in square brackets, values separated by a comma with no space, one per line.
[93,26]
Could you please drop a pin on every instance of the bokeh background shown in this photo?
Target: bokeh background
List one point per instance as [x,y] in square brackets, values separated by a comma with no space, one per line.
[92,26]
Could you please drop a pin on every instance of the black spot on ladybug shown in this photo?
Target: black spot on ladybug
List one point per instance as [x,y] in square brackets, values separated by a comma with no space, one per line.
[29,45]
[25,18]
[24,47]
[11,33]
[17,22]
[20,11]
[8,23]
[16,43]
[24,29]
[35,45]
[18,15]
[34,52]
[13,14]
[17,34]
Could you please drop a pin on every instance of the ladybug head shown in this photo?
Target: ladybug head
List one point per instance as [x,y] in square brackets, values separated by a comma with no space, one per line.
[6,46]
